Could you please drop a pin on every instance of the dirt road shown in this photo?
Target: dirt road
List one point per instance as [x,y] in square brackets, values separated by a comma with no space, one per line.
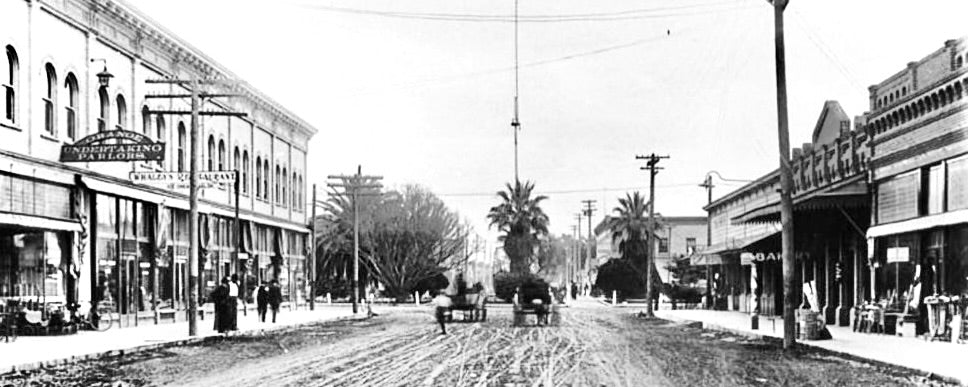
[594,346]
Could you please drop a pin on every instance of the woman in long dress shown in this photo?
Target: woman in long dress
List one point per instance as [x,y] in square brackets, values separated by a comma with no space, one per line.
[220,296]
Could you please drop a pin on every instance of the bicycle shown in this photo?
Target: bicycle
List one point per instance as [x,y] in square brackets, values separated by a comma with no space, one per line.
[98,319]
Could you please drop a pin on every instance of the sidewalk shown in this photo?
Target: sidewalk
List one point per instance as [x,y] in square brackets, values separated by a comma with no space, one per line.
[29,352]
[940,358]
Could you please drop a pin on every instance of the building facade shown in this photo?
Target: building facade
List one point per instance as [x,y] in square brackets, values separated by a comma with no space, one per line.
[880,211]
[84,231]
[918,241]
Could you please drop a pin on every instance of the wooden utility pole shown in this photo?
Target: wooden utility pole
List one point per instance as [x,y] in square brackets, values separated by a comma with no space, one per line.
[786,177]
[312,253]
[652,166]
[708,185]
[196,101]
[578,250]
[353,184]
[589,210]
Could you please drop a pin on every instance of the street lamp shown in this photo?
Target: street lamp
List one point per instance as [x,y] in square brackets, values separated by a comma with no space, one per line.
[103,77]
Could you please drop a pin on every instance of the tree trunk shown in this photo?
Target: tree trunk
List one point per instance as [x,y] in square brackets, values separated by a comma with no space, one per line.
[518,250]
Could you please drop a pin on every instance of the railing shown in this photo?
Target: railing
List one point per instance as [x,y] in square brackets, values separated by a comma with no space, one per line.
[845,157]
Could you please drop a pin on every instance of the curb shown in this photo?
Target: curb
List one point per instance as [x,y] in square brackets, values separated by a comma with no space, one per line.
[846,355]
[168,344]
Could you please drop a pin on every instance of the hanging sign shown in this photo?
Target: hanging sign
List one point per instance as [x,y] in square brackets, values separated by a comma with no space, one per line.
[179,180]
[898,254]
[130,146]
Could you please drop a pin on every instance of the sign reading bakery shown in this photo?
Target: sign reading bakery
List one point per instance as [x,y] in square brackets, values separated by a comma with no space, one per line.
[126,146]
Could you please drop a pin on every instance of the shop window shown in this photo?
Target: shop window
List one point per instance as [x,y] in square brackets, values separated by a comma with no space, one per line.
[10,84]
[122,107]
[70,109]
[958,184]
[31,264]
[49,100]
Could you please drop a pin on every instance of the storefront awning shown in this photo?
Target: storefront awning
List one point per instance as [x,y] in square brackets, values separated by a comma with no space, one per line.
[121,190]
[713,255]
[917,224]
[38,222]
[850,193]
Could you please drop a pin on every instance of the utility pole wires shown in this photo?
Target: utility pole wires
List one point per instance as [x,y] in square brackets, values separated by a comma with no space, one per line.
[196,97]
[652,165]
[353,184]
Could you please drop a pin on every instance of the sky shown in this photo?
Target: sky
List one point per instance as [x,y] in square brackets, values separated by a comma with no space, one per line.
[422,91]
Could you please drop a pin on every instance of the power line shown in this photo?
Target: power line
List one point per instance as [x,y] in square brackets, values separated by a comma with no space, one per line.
[634,14]
[571,191]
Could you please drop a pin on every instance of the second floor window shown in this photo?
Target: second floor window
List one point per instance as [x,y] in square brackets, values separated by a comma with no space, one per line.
[105,103]
[221,155]
[11,81]
[245,172]
[211,153]
[690,246]
[122,113]
[258,178]
[181,147]
[663,245]
[161,133]
[50,99]
[70,109]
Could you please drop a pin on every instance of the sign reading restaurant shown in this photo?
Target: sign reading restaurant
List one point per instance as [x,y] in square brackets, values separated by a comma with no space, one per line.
[179,180]
[93,149]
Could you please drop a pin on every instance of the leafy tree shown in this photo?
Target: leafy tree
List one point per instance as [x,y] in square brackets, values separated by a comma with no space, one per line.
[435,282]
[522,221]
[405,237]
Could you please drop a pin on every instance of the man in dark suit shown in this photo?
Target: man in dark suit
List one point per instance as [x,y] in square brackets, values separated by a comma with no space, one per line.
[262,301]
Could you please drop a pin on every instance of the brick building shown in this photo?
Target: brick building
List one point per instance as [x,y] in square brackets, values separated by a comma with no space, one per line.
[83,231]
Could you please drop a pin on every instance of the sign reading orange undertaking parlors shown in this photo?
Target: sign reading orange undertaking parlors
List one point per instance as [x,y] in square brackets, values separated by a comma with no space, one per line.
[128,146]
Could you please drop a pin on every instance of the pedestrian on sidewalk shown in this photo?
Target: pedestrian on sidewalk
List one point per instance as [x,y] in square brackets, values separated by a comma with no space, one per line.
[219,299]
[442,305]
[275,298]
[262,300]
[233,303]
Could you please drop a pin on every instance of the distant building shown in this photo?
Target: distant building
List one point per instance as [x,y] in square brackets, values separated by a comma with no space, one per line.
[677,237]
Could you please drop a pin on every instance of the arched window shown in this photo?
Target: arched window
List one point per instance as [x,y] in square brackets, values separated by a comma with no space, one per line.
[245,172]
[237,162]
[181,147]
[50,100]
[283,184]
[258,177]
[221,155]
[265,180]
[145,121]
[122,113]
[70,110]
[105,103]
[211,153]
[10,84]
[279,183]
[295,190]
[959,62]
[161,134]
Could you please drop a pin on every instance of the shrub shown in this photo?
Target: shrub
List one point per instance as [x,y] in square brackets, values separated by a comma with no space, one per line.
[684,294]
[435,282]
[618,274]
[532,286]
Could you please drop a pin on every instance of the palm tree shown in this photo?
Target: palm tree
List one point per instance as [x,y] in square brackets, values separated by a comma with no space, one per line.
[521,219]
[630,227]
